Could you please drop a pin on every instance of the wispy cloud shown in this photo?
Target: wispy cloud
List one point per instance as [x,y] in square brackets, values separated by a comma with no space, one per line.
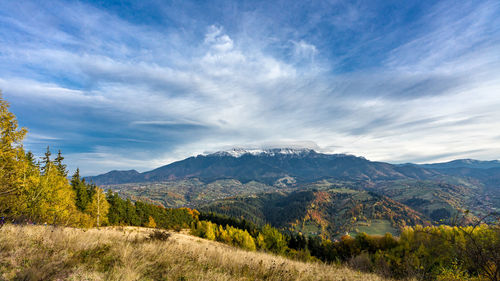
[116,91]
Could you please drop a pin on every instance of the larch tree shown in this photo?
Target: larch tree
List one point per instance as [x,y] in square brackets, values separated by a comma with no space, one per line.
[11,150]
[58,203]
[151,222]
[11,156]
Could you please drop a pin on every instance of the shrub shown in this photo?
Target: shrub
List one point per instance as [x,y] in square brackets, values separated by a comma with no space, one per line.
[158,235]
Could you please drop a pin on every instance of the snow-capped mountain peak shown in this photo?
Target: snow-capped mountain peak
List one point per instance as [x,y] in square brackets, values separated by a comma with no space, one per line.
[238,152]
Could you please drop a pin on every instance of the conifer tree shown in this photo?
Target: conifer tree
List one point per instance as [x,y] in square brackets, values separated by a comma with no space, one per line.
[131,214]
[46,161]
[59,165]
[31,158]
[80,188]
[117,209]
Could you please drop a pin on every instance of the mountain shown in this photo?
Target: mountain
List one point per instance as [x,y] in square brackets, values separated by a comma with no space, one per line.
[113,177]
[463,163]
[271,167]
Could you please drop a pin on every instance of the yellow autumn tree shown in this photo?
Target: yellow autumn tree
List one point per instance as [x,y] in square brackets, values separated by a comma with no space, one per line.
[151,222]
[29,196]
[56,199]
[39,193]
[11,157]
[98,208]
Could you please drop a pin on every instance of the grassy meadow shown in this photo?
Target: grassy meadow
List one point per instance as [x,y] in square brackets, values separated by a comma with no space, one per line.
[129,253]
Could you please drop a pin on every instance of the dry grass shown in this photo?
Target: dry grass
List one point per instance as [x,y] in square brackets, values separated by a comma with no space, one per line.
[46,253]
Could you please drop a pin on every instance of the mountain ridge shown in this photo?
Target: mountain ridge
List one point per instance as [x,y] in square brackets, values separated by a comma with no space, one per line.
[464,163]
[269,166]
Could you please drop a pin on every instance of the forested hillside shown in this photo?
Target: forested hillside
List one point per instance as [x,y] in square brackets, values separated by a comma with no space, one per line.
[329,213]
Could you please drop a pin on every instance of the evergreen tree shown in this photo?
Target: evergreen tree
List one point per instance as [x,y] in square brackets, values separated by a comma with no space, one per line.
[31,158]
[46,161]
[59,165]
[80,189]
[131,215]
[91,189]
[117,209]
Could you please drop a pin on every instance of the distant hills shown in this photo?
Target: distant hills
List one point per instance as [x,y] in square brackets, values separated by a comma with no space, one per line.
[114,177]
[464,163]
[325,194]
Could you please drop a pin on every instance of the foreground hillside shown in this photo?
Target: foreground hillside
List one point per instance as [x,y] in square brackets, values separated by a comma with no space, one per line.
[46,253]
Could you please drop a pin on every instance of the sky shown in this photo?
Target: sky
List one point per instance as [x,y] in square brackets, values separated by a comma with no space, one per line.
[118,85]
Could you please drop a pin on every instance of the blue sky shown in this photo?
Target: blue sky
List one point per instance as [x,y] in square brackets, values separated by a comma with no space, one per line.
[136,85]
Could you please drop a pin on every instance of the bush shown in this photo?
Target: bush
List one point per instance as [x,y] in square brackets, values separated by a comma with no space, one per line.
[361,262]
[158,235]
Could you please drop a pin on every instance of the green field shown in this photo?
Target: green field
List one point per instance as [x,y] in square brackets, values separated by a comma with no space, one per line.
[375,227]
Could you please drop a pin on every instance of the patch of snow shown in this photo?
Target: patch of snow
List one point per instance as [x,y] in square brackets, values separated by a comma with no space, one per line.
[238,152]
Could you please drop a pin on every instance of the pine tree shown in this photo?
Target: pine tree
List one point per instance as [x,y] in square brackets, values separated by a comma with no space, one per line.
[117,209]
[80,189]
[31,158]
[59,165]
[131,214]
[46,161]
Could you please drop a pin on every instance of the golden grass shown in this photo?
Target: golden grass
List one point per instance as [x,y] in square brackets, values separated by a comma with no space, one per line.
[46,253]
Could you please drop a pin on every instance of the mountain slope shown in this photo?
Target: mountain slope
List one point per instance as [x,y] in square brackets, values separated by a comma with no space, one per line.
[270,166]
[114,177]
[464,163]
[329,212]
[188,192]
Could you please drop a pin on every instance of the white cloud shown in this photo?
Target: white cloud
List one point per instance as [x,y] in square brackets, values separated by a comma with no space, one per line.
[184,95]
[305,50]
